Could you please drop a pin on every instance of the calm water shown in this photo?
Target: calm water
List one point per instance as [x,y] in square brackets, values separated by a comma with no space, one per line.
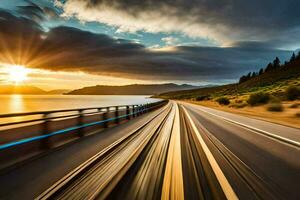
[29,103]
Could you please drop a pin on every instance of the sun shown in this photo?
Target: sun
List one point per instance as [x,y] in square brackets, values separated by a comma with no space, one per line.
[17,73]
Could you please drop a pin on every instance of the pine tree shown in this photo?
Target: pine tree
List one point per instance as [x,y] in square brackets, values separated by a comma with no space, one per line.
[293,58]
[248,75]
[276,63]
[253,74]
[243,79]
[261,71]
[269,67]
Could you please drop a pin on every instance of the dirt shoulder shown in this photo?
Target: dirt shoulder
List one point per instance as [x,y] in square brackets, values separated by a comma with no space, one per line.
[287,117]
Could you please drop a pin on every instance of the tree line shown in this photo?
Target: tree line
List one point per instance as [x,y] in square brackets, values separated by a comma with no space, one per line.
[276,64]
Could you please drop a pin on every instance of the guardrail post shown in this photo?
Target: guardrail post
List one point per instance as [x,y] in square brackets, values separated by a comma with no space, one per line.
[99,111]
[45,143]
[80,123]
[141,110]
[137,110]
[127,113]
[117,114]
[105,124]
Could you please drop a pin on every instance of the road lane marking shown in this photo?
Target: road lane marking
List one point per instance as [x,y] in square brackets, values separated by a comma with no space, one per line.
[227,189]
[63,181]
[234,160]
[147,179]
[173,178]
[274,136]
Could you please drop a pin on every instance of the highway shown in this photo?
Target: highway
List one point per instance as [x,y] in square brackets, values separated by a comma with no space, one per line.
[180,151]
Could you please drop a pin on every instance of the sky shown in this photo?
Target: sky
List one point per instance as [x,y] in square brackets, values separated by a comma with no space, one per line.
[75,43]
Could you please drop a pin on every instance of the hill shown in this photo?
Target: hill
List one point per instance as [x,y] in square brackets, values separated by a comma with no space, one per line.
[135,89]
[56,92]
[273,79]
[20,89]
[25,89]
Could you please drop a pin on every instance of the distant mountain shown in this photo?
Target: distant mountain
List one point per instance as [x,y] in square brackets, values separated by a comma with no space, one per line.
[61,91]
[136,89]
[25,89]
[18,89]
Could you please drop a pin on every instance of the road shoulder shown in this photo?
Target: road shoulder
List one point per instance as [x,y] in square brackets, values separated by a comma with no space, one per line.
[260,113]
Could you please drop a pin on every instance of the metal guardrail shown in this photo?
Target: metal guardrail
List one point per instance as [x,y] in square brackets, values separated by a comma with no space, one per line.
[45,117]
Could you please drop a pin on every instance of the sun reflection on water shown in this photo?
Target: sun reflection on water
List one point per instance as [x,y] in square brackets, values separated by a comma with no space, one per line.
[16,103]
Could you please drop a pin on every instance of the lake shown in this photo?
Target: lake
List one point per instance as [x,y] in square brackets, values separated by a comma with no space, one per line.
[29,103]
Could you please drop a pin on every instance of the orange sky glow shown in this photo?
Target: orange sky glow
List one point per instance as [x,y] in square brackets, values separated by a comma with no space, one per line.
[50,80]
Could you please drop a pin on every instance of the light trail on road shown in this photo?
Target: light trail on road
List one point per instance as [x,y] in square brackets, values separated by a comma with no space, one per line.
[256,165]
[184,151]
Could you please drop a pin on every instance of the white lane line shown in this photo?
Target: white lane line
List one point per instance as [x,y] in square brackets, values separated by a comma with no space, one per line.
[173,178]
[226,187]
[278,137]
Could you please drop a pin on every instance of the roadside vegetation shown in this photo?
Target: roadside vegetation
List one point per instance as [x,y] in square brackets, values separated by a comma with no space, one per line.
[293,93]
[256,88]
[223,101]
[275,107]
[274,88]
[239,105]
[259,98]
[273,79]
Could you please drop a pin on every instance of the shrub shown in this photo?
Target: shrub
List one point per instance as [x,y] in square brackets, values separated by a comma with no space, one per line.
[275,107]
[258,99]
[223,101]
[294,105]
[292,93]
[202,98]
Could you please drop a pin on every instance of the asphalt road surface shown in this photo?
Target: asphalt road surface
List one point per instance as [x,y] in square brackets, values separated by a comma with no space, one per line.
[181,151]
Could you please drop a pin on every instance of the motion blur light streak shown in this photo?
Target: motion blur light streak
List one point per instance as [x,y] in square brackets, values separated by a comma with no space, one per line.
[153,99]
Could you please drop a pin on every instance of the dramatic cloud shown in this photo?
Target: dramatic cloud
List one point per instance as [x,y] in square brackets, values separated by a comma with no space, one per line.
[223,20]
[36,12]
[23,41]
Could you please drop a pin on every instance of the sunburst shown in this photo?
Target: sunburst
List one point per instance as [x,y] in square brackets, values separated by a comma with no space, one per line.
[17,73]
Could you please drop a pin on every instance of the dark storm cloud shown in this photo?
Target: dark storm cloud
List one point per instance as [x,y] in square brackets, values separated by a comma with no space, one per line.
[36,12]
[23,41]
[32,11]
[236,13]
[223,20]
[17,37]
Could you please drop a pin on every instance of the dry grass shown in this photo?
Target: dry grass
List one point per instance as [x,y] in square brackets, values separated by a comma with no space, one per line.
[288,117]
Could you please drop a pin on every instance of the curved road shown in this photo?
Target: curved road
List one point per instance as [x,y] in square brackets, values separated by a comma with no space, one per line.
[181,151]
